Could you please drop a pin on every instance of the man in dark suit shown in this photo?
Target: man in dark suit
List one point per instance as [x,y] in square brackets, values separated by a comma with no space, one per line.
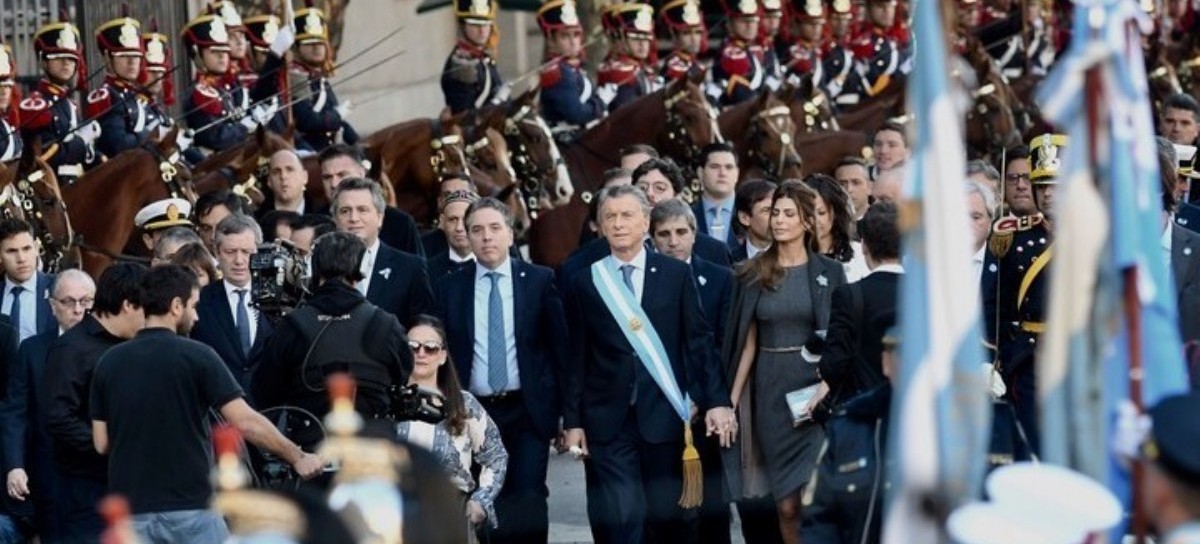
[451,224]
[392,280]
[662,180]
[229,322]
[673,229]
[862,312]
[718,173]
[434,242]
[26,291]
[753,208]
[343,161]
[27,447]
[508,337]
[615,412]
[287,178]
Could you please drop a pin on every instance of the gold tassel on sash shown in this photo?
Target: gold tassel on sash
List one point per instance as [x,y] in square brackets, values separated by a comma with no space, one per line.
[693,475]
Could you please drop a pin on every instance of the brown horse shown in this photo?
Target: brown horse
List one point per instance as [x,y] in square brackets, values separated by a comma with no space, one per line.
[762,132]
[535,155]
[106,198]
[29,191]
[677,120]
[823,150]
[415,156]
[241,168]
[869,114]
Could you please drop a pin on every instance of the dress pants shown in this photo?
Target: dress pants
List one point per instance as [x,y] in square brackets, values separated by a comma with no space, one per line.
[638,487]
[521,507]
[1022,390]
[79,519]
[713,526]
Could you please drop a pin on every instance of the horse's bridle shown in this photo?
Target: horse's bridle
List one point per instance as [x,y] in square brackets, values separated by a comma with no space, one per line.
[442,145]
[169,168]
[677,130]
[531,176]
[774,126]
[22,194]
[979,108]
[813,120]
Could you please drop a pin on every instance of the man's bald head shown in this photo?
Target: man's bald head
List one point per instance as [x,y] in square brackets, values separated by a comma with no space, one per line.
[285,156]
[887,185]
[287,179]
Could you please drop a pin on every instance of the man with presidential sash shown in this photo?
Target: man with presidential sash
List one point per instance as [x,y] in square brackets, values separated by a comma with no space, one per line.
[642,359]
[1016,279]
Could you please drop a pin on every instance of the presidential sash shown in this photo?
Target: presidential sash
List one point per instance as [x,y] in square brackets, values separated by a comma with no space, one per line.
[640,333]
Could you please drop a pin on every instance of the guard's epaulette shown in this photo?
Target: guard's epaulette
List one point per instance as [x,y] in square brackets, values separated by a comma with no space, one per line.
[1005,228]
[99,101]
[735,61]
[551,74]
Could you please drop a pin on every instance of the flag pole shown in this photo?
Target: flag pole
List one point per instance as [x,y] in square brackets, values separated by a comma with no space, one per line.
[284,75]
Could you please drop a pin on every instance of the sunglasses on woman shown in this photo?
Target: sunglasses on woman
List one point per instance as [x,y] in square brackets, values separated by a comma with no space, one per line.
[432,348]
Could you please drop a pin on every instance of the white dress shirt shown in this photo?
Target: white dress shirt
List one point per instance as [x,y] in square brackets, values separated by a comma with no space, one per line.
[251,311]
[977,263]
[29,318]
[639,271]
[479,366]
[367,267]
[454,258]
[1166,240]
[752,250]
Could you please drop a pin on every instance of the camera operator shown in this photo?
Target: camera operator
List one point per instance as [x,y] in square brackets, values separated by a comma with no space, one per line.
[229,322]
[336,330]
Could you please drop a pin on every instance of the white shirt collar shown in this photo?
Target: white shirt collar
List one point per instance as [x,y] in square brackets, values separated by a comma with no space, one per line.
[1167,233]
[231,288]
[638,262]
[890,267]
[505,269]
[454,258]
[30,284]
[979,254]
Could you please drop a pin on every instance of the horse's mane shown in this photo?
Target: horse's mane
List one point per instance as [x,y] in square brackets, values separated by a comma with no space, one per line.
[619,128]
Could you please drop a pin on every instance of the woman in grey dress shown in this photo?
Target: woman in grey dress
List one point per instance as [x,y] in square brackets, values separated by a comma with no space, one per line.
[781,300]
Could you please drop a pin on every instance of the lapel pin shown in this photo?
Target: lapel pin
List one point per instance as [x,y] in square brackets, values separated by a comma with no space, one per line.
[522,274]
[652,269]
[703,280]
[386,273]
[1187,251]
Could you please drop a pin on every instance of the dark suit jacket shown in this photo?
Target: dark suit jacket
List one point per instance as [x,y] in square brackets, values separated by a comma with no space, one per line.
[702,224]
[217,329]
[1188,217]
[852,360]
[434,242]
[440,265]
[706,247]
[1185,271]
[400,285]
[26,444]
[715,284]
[540,327]
[45,319]
[399,230]
[604,369]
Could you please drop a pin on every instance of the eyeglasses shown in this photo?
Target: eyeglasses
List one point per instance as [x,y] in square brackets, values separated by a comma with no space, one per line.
[1013,177]
[84,303]
[432,348]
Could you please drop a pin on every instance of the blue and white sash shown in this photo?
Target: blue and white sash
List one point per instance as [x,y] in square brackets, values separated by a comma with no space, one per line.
[638,329]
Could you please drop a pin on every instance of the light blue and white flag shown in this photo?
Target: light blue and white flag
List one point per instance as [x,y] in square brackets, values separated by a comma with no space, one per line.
[1110,221]
[941,413]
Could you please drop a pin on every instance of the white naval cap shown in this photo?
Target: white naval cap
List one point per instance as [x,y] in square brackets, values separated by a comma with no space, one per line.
[1036,504]
[165,213]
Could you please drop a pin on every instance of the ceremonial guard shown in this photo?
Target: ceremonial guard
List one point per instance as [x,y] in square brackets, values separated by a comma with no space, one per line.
[803,56]
[685,23]
[210,108]
[119,105]
[767,44]
[470,78]
[570,102]
[241,73]
[837,59]
[319,116]
[1016,278]
[49,114]
[629,69]
[880,46]
[269,42]
[10,138]
[739,71]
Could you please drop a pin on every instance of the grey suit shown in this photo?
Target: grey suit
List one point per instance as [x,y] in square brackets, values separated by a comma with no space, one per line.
[1185,271]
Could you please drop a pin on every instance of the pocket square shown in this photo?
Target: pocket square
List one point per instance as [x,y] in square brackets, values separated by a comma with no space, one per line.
[386,273]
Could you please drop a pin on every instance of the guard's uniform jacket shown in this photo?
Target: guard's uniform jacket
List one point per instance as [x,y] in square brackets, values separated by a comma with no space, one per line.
[211,100]
[51,115]
[805,58]
[121,109]
[470,78]
[879,54]
[680,64]
[1015,280]
[10,141]
[631,77]
[569,101]
[314,106]
[738,73]
[837,63]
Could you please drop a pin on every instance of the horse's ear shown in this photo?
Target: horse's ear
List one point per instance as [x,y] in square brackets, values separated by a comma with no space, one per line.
[29,155]
[530,97]
[260,137]
[169,140]
[444,115]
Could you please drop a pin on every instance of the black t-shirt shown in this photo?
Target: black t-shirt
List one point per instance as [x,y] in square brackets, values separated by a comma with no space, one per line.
[154,393]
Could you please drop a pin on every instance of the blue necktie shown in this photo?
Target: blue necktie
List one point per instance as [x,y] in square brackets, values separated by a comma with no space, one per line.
[497,345]
[14,312]
[243,321]
[627,275]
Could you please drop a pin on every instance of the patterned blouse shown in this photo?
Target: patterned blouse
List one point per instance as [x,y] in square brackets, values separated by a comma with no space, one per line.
[479,443]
